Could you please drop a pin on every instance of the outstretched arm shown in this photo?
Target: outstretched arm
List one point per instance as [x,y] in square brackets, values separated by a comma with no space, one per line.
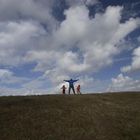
[75,80]
[66,80]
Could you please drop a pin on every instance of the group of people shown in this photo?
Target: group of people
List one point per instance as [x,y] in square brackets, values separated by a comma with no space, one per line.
[71,87]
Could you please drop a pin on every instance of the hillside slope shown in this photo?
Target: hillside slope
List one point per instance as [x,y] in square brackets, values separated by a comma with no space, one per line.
[75,117]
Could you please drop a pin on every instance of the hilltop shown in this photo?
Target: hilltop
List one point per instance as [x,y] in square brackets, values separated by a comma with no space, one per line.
[75,117]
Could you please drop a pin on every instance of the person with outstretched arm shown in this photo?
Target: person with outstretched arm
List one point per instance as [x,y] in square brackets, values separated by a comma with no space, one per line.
[71,84]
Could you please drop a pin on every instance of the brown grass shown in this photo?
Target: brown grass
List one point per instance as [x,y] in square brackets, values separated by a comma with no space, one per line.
[63,117]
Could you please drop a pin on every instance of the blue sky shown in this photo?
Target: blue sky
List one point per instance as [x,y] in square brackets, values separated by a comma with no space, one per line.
[43,42]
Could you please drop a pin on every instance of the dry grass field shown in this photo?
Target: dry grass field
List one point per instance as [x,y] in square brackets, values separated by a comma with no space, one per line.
[113,116]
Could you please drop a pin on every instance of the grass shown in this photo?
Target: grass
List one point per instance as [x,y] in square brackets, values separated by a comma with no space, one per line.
[63,117]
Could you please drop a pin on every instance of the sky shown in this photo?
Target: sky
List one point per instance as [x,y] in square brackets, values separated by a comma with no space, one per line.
[43,42]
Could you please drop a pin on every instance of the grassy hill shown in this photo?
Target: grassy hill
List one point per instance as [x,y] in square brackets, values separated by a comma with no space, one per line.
[75,117]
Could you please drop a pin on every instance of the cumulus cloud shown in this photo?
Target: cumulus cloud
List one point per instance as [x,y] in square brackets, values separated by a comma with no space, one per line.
[124,83]
[16,38]
[39,10]
[96,48]
[78,45]
[7,77]
[81,44]
[23,92]
[135,64]
[4,73]
[91,2]
[87,83]
[27,9]
[81,2]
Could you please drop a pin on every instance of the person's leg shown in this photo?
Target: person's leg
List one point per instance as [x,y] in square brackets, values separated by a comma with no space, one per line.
[69,90]
[64,91]
[77,91]
[73,89]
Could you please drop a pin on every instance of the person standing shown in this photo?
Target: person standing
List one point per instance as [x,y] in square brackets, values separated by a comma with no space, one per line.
[63,89]
[71,84]
[78,89]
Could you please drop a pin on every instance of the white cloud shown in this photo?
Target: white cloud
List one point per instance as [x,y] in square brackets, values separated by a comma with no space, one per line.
[80,45]
[27,9]
[55,76]
[71,63]
[23,92]
[87,83]
[135,64]
[7,77]
[16,38]
[91,2]
[33,84]
[124,83]
[89,35]
[81,2]
[4,73]
[93,40]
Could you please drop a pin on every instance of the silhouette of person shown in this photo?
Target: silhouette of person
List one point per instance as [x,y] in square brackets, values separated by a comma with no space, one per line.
[71,84]
[78,89]
[63,89]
